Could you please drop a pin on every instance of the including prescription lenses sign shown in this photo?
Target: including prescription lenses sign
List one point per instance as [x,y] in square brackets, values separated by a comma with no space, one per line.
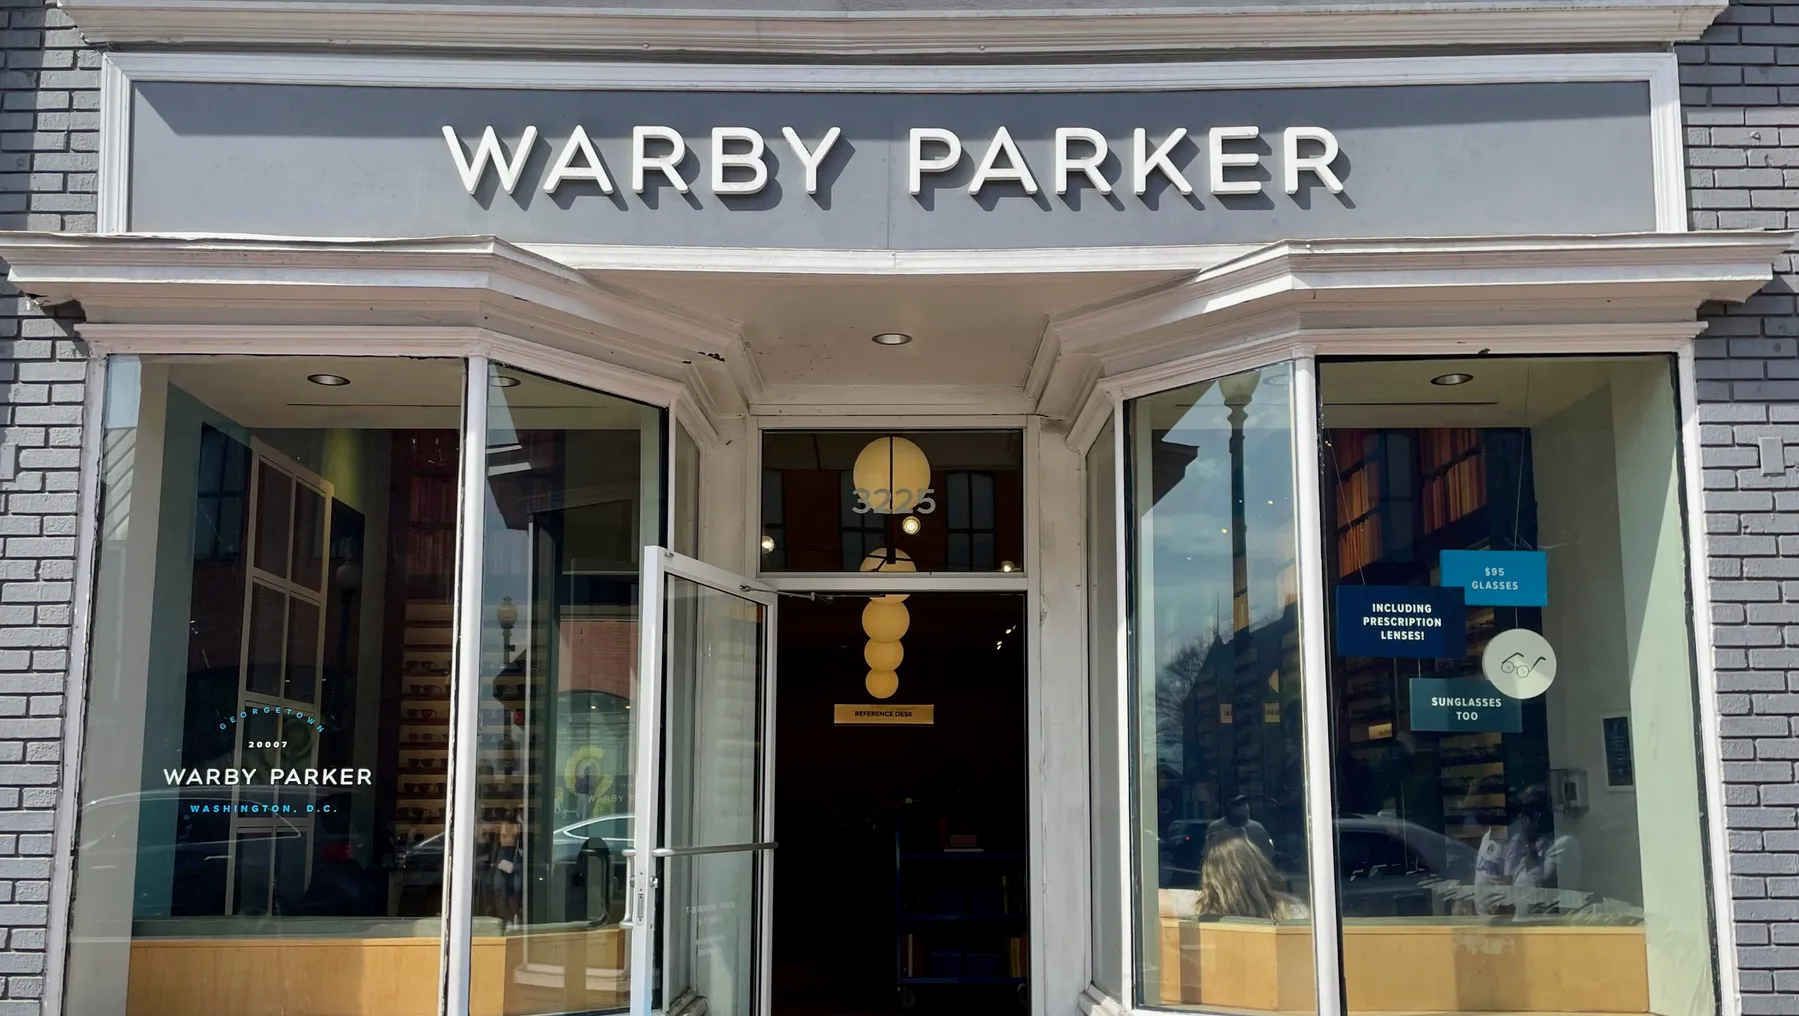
[1463,705]
[1415,622]
[1498,578]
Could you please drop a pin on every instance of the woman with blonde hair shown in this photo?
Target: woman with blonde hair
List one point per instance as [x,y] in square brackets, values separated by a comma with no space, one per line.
[1237,880]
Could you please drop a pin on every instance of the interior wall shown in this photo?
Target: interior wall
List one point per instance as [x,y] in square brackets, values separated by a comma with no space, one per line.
[1577,511]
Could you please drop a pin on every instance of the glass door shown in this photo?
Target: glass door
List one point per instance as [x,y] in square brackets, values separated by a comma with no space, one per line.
[701,859]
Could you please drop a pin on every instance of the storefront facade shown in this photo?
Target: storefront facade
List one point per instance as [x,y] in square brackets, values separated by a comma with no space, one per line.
[431,431]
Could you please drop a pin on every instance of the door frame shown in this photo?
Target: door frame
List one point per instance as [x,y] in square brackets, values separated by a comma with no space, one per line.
[652,754]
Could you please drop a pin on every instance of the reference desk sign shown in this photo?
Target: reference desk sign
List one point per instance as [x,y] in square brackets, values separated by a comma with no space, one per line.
[1417,622]
[881,714]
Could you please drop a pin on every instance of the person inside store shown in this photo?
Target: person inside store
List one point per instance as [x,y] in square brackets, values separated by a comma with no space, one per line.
[1532,870]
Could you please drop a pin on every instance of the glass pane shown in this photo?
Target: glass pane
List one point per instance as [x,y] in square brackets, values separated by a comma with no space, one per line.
[712,713]
[713,672]
[709,908]
[303,650]
[274,518]
[1104,722]
[1224,915]
[268,617]
[945,500]
[260,833]
[1507,582]
[309,538]
[573,494]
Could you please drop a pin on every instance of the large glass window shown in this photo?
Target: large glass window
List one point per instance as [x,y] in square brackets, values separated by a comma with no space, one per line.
[268,694]
[1517,801]
[573,494]
[1224,903]
[933,500]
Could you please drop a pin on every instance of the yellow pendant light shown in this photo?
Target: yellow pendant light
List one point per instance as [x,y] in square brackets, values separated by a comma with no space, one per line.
[881,683]
[878,561]
[883,655]
[894,472]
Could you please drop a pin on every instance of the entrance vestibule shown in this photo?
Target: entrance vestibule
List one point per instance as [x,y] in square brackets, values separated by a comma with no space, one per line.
[901,874]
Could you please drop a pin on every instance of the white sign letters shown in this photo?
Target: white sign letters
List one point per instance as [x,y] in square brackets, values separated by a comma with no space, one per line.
[737,158]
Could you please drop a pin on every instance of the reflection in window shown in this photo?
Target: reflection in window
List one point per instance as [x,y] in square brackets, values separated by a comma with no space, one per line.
[960,509]
[1487,860]
[251,803]
[1224,915]
[572,496]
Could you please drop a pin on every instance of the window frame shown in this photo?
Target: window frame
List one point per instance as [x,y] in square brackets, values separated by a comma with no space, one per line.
[478,356]
[1107,401]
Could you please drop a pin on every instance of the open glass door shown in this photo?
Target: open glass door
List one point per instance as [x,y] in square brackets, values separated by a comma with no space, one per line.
[702,858]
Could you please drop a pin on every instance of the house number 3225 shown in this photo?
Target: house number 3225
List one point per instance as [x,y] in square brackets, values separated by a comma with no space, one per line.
[887,501]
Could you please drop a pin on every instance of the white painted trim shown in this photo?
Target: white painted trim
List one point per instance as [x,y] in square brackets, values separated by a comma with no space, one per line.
[888,420]
[1150,27]
[1317,740]
[870,583]
[1128,898]
[1039,842]
[793,261]
[814,401]
[114,181]
[382,340]
[75,685]
[1705,673]
[1668,145]
[465,701]
[347,68]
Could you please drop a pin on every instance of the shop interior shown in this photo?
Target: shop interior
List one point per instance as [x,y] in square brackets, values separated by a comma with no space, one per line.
[901,872]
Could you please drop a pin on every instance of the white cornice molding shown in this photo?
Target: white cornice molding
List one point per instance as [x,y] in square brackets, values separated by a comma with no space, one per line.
[449,281]
[1229,24]
[1563,293]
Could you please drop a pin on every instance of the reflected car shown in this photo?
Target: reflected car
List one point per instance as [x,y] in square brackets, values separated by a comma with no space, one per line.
[1389,867]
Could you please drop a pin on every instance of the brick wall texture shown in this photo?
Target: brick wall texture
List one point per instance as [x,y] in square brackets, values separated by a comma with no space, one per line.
[49,139]
[1740,89]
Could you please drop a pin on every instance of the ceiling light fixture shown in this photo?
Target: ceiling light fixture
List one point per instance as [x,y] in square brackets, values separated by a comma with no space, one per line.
[910,525]
[891,339]
[503,381]
[1455,378]
[328,380]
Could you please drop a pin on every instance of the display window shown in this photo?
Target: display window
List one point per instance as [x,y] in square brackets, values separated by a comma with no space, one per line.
[1489,779]
[266,814]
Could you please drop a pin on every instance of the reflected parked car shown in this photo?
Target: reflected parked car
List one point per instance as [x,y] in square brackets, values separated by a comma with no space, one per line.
[1388,867]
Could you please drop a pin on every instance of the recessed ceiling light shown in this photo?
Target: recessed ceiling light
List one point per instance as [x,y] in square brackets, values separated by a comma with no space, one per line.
[1456,378]
[911,525]
[503,381]
[892,339]
[328,380]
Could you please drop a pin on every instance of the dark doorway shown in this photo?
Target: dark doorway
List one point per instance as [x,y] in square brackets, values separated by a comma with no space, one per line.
[901,874]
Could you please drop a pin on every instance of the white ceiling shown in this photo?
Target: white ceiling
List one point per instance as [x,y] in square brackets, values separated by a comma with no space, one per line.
[967,330]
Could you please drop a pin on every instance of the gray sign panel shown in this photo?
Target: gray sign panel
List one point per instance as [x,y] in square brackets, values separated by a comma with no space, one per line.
[1423,160]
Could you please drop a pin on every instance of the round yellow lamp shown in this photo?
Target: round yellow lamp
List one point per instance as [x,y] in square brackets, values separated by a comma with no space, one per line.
[883,655]
[876,561]
[894,465]
[881,683]
[885,622]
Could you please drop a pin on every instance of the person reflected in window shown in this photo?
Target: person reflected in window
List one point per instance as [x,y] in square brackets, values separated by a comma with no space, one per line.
[1532,870]
[1236,822]
[1236,880]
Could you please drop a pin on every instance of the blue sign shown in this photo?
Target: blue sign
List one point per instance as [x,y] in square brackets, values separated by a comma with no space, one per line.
[1418,622]
[1499,578]
[1464,705]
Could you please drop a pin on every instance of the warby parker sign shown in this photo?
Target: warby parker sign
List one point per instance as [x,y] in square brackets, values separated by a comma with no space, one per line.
[738,160]
[909,170]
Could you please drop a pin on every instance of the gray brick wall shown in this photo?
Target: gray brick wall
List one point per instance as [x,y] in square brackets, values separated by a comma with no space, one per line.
[1740,88]
[49,137]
